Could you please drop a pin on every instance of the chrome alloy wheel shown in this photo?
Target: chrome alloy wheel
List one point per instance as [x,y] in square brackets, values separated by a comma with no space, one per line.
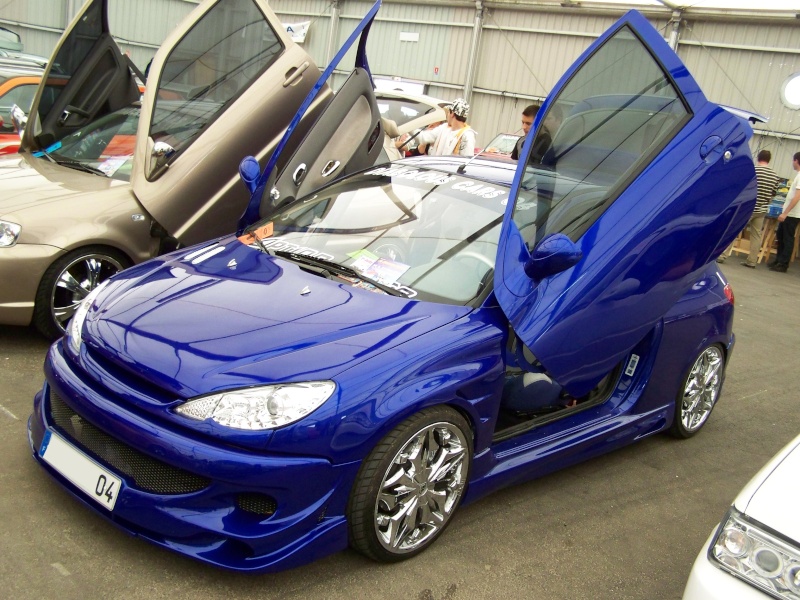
[701,389]
[421,488]
[76,280]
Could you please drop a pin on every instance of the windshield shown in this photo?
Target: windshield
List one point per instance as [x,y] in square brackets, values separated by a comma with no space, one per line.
[105,146]
[503,143]
[430,235]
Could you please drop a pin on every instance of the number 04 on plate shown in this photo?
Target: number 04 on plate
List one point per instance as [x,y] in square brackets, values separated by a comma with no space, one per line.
[95,481]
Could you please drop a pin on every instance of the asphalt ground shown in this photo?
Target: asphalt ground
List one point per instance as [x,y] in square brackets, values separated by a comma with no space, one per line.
[626,525]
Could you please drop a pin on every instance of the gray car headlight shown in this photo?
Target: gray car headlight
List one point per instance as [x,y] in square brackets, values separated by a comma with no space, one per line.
[266,407]
[757,556]
[9,232]
[75,327]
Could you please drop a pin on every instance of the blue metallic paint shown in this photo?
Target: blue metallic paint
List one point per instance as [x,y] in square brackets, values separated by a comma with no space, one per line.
[642,255]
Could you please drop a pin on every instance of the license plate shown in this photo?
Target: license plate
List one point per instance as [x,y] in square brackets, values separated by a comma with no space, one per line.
[95,481]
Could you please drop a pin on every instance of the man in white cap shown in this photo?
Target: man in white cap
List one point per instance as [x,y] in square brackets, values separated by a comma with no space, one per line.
[453,137]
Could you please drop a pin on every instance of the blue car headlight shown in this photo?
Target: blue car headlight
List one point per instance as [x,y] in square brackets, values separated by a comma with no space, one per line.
[265,407]
[757,556]
[75,327]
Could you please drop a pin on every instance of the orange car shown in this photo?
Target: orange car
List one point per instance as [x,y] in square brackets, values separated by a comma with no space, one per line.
[17,86]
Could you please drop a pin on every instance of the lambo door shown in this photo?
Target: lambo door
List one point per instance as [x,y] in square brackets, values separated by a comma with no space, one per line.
[638,182]
[225,83]
[346,137]
[87,77]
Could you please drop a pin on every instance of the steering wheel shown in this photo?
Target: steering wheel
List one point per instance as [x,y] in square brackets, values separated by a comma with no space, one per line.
[476,256]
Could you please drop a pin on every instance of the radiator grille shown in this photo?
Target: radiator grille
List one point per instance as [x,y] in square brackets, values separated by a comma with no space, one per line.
[146,473]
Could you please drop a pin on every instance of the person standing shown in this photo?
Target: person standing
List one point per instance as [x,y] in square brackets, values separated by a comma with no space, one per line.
[453,137]
[787,221]
[528,115]
[767,186]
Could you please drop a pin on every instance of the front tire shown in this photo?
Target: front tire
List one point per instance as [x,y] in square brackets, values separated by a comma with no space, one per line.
[699,392]
[68,281]
[409,487]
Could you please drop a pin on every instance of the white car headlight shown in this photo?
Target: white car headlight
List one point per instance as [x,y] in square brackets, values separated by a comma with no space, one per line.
[266,407]
[75,327]
[758,557]
[9,232]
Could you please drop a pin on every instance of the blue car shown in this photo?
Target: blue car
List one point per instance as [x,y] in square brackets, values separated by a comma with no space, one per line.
[380,343]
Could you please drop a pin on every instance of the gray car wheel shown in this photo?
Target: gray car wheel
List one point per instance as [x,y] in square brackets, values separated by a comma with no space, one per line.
[410,486]
[699,392]
[68,281]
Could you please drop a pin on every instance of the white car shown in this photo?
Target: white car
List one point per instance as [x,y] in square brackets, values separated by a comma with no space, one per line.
[755,551]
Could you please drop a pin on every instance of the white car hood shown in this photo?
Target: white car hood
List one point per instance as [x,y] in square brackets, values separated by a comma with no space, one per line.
[772,497]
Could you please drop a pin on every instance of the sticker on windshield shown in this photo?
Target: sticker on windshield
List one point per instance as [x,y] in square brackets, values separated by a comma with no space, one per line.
[412,174]
[476,188]
[385,270]
[263,232]
[113,164]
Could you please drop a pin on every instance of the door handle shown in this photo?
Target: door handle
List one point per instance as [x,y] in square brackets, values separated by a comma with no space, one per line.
[299,174]
[294,74]
[330,167]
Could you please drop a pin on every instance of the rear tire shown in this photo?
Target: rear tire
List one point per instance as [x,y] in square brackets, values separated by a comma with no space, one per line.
[699,392]
[409,487]
[68,281]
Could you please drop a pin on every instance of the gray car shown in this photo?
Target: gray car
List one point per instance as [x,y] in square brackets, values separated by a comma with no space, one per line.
[108,177]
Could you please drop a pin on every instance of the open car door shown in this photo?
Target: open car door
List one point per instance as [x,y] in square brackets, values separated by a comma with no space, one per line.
[636,182]
[346,137]
[225,83]
[87,77]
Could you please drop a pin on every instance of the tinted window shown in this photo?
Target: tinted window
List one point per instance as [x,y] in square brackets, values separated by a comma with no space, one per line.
[22,96]
[601,130]
[224,53]
[75,50]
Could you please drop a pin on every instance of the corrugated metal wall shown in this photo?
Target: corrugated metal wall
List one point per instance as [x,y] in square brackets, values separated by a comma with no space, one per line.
[745,65]
[523,51]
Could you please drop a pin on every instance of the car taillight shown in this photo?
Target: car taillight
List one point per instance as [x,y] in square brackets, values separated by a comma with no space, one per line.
[729,292]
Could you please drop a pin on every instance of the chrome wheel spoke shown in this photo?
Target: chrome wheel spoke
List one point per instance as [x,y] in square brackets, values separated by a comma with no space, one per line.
[702,388]
[68,282]
[421,487]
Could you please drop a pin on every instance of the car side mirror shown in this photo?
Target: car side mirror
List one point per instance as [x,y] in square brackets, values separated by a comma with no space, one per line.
[554,254]
[249,171]
[159,158]
[19,119]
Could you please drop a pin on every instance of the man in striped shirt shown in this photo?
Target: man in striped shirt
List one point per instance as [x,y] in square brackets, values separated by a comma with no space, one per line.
[767,186]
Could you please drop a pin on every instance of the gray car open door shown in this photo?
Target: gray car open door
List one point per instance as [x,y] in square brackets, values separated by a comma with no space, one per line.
[87,77]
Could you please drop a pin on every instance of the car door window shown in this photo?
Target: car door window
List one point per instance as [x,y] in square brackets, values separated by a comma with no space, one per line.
[597,134]
[22,96]
[74,52]
[232,45]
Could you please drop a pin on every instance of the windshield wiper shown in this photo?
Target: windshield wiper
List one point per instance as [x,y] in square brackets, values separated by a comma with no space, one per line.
[74,164]
[333,268]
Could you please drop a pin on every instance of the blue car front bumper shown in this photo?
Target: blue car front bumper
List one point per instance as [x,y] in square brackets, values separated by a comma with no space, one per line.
[223,505]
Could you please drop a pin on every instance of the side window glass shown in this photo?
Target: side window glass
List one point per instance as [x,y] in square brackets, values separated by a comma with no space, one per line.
[74,51]
[603,128]
[230,47]
[22,96]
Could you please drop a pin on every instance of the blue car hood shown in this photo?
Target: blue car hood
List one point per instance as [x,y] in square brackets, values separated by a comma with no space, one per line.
[229,316]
